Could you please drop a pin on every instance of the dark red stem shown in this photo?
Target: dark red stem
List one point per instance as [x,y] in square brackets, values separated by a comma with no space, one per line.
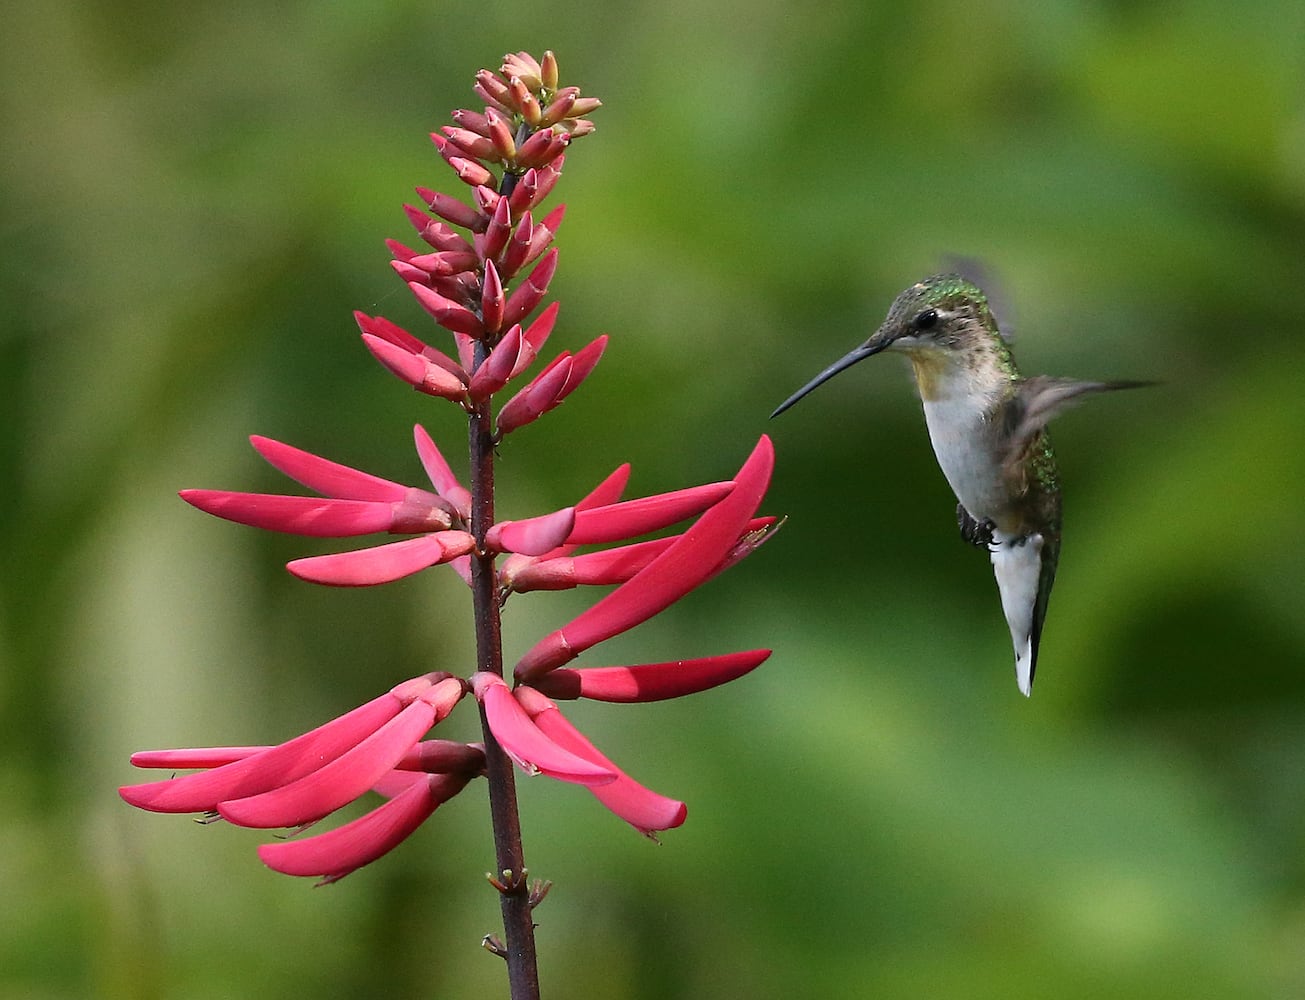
[519,928]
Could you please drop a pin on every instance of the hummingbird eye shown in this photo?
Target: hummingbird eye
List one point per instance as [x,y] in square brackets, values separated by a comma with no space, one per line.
[926,320]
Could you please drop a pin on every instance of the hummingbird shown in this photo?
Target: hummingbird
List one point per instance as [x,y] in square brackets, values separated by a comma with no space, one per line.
[988,427]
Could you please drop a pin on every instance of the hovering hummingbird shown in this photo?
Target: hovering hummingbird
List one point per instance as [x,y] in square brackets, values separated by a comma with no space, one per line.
[987,424]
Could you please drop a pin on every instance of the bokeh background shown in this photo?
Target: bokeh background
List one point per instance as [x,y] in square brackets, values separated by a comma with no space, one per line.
[195,198]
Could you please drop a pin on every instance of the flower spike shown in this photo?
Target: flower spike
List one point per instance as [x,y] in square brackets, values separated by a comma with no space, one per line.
[482,271]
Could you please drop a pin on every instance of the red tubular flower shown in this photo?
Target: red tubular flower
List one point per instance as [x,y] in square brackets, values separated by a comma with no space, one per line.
[340,781]
[694,558]
[641,807]
[649,681]
[336,853]
[383,563]
[241,774]
[616,565]
[618,521]
[357,503]
[533,751]
[609,566]
[374,747]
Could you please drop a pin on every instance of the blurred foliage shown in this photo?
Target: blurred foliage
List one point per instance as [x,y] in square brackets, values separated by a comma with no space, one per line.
[194,200]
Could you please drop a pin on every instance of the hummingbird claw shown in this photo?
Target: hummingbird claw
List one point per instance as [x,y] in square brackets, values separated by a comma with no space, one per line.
[977,533]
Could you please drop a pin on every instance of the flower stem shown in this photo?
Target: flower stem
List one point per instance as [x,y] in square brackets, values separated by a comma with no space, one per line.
[518,926]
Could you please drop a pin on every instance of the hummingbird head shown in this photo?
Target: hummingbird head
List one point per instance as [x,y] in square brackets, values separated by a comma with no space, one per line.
[944,313]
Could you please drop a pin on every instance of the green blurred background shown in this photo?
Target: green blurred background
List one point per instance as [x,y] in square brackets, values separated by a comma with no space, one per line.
[195,198]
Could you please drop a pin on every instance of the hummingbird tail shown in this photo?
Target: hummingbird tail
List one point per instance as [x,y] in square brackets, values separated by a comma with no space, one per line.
[1017,565]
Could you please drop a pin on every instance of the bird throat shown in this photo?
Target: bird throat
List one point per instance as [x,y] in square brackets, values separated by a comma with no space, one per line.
[934,371]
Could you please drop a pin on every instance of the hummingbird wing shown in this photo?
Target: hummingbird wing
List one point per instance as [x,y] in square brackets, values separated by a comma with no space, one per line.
[1039,399]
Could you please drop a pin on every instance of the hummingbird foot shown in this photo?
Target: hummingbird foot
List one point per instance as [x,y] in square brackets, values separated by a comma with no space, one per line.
[977,533]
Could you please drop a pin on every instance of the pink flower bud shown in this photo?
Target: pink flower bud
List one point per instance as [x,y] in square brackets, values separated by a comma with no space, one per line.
[610,566]
[408,273]
[486,201]
[518,246]
[585,105]
[524,101]
[379,326]
[498,367]
[416,370]
[492,299]
[500,131]
[522,199]
[433,232]
[523,66]
[548,70]
[533,536]
[535,336]
[561,106]
[470,143]
[469,171]
[473,120]
[452,210]
[498,231]
[582,365]
[493,91]
[548,177]
[575,127]
[536,398]
[446,312]
[550,387]
[542,233]
[542,147]
[445,262]
[522,302]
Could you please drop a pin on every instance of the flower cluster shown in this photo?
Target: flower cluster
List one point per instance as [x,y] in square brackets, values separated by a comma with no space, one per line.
[511,155]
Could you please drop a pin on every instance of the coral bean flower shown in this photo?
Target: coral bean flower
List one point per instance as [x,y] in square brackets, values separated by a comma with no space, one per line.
[355,503]
[376,747]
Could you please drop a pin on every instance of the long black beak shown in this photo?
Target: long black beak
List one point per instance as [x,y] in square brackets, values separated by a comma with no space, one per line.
[874,346]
